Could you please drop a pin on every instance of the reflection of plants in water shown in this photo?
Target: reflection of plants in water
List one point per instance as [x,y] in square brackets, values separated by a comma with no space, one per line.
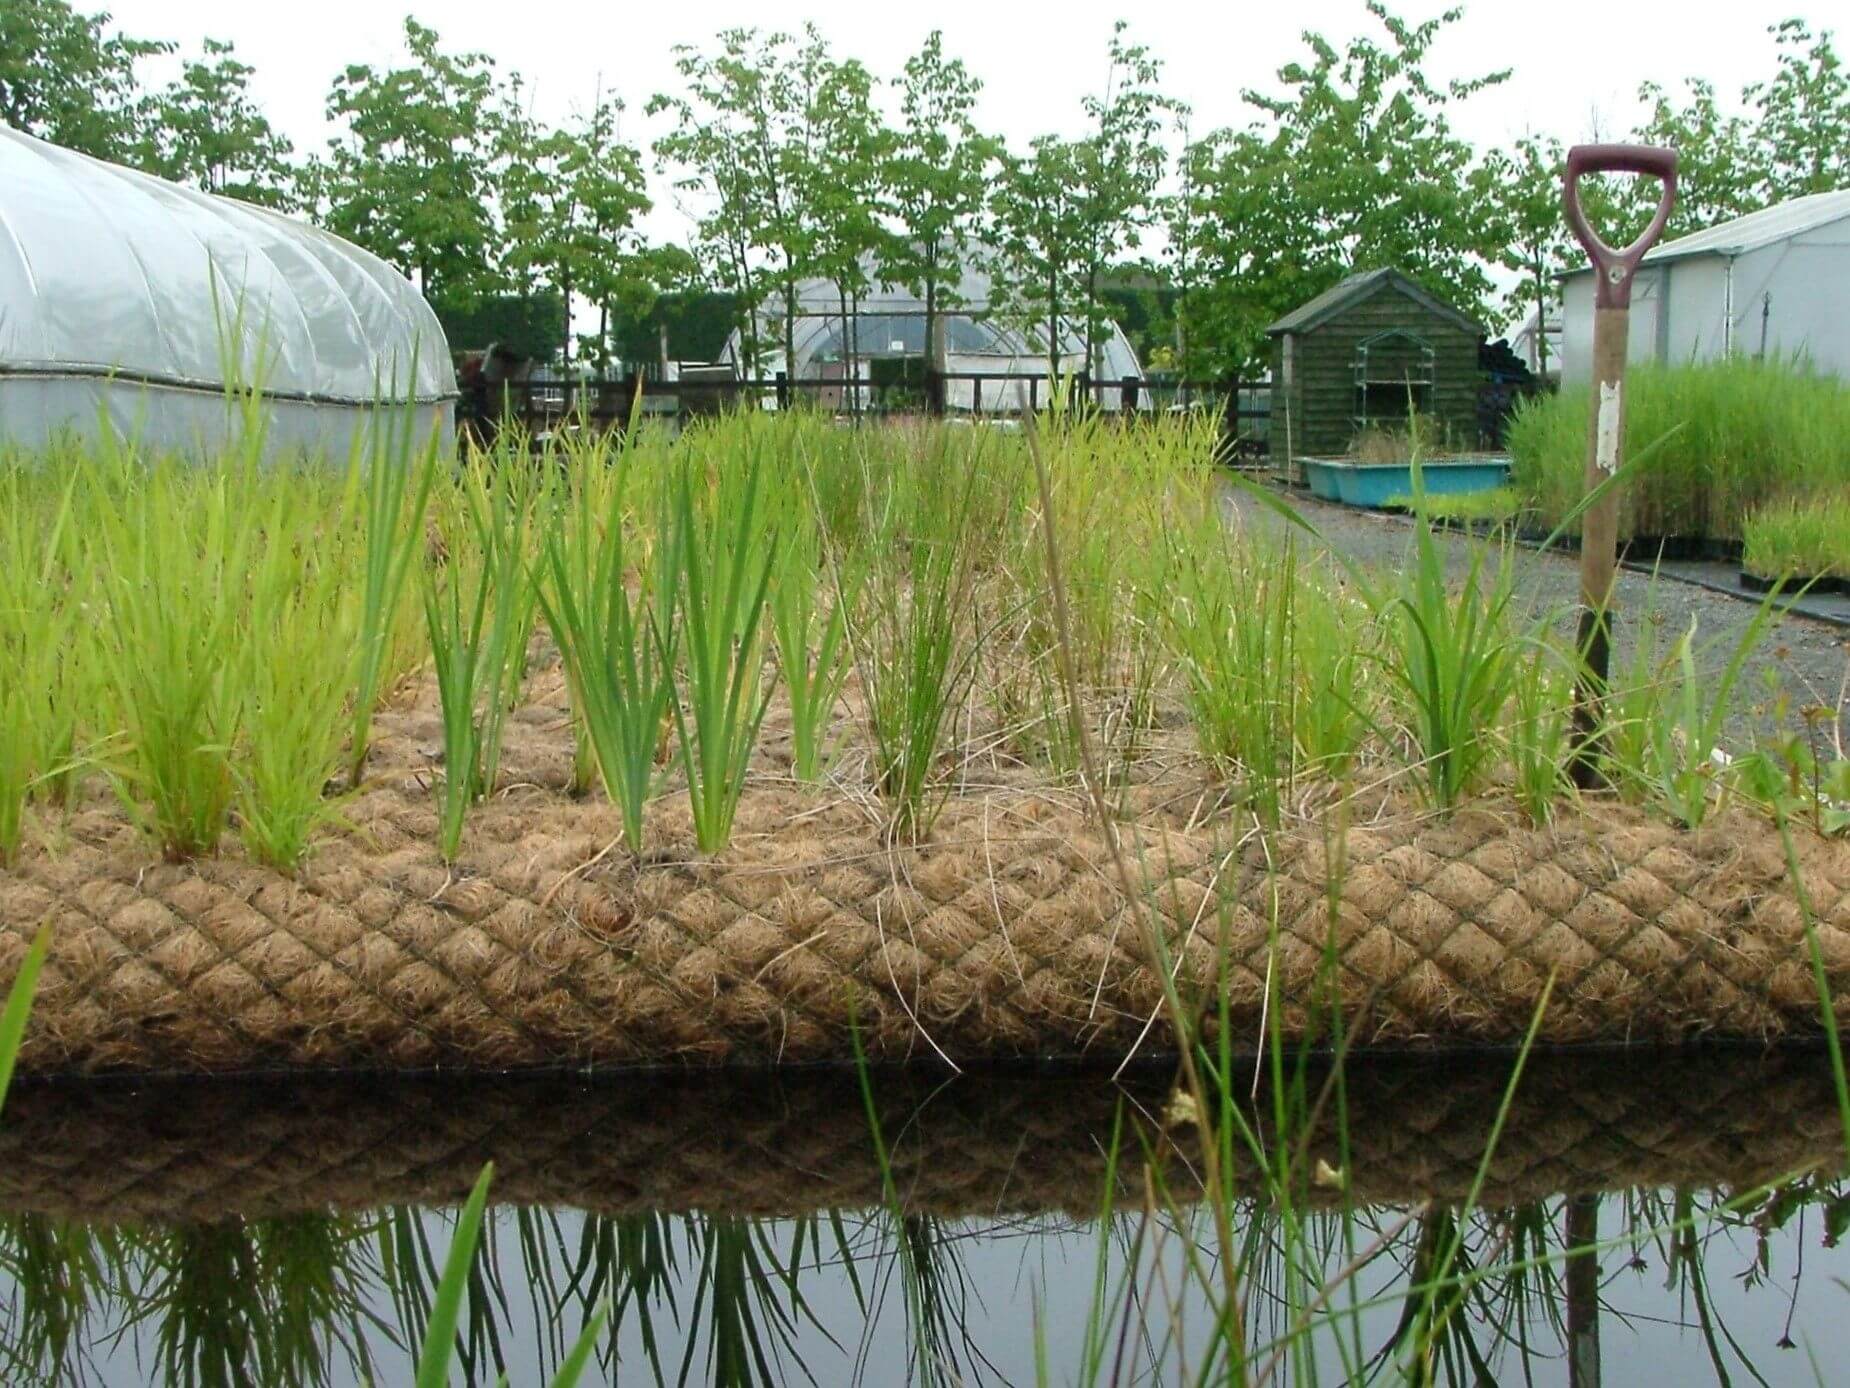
[60,1273]
[752,1300]
[747,1307]
[922,1251]
[252,1301]
[629,1263]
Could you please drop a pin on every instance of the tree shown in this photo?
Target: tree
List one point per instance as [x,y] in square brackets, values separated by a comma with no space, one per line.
[1253,246]
[611,263]
[409,179]
[937,180]
[708,147]
[1804,110]
[745,142]
[1365,143]
[569,200]
[842,190]
[1119,168]
[65,79]
[1722,170]
[1524,188]
[205,130]
[1042,231]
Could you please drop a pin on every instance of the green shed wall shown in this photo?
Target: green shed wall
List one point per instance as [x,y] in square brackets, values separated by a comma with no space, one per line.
[1320,402]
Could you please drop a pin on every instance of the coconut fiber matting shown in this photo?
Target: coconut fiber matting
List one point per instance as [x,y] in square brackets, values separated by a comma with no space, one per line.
[1009,1142]
[1006,933]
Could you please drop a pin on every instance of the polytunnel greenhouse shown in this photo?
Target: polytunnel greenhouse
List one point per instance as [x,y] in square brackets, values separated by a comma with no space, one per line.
[132,304]
[879,341]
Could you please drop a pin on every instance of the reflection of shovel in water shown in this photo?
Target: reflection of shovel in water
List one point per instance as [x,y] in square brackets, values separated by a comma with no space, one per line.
[1612,299]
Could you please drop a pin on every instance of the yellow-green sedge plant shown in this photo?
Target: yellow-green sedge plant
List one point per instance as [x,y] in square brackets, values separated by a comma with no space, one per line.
[617,647]
[915,642]
[725,577]
[502,500]
[1685,728]
[1538,729]
[812,645]
[173,552]
[397,472]
[296,673]
[455,625]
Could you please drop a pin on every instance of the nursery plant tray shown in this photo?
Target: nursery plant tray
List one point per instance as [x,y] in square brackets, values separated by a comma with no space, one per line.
[1379,485]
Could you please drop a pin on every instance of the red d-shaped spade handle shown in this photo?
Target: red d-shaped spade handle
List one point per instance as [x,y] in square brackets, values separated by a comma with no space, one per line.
[1616,267]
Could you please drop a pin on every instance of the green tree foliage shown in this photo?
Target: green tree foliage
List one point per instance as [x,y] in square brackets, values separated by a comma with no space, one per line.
[1120,165]
[1722,171]
[936,179]
[65,78]
[529,325]
[1522,187]
[205,129]
[409,177]
[1042,236]
[570,199]
[1804,114]
[741,146]
[1243,249]
[1364,135]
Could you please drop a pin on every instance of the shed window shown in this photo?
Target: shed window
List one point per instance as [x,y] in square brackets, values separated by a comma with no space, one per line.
[1394,373]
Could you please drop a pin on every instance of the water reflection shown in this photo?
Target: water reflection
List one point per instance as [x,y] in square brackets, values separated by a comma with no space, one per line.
[1677,1225]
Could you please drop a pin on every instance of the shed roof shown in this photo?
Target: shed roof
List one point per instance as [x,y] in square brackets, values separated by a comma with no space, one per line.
[1358,287]
[1780,222]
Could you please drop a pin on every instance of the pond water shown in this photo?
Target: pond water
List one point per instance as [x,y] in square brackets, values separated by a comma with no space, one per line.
[1638,1219]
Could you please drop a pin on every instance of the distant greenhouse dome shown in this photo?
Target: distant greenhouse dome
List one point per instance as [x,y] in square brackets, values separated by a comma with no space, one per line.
[135,305]
[886,326]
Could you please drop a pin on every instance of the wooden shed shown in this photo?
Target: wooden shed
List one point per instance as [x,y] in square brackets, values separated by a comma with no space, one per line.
[1359,355]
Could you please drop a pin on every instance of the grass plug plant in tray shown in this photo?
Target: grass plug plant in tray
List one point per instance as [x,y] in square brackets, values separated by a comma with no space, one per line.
[1806,543]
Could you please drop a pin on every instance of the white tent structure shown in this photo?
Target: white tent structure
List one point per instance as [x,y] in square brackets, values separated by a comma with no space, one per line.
[133,304]
[888,323]
[1773,283]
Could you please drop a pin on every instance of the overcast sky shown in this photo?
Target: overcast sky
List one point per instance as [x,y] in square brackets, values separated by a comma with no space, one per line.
[1577,63]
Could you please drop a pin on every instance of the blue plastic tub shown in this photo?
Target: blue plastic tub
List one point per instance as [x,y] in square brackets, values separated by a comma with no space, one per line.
[1321,474]
[1374,485]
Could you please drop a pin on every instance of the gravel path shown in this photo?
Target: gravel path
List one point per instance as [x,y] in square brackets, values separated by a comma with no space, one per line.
[1812,658]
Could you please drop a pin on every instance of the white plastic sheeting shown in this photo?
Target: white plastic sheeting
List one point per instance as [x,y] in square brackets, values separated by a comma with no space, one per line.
[1774,283]
[132,303]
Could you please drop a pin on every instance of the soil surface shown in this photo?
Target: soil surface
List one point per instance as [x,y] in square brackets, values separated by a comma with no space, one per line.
[1811,659]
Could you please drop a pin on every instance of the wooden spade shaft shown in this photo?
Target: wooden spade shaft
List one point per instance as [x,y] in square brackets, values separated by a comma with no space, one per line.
[1599,532]
[1612,296]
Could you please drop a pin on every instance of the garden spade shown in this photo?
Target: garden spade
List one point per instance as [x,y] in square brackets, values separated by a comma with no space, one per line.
[1612,304]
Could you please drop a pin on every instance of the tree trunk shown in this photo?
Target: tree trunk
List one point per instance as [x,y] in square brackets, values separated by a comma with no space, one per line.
[1092,320]
[933,395]
[931,314]
[847,348]
[1053,322]
[565,339]
[790,328]
[1541,318]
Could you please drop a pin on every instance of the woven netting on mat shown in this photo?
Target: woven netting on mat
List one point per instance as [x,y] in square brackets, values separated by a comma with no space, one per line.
[1007,932]
[770,1145]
